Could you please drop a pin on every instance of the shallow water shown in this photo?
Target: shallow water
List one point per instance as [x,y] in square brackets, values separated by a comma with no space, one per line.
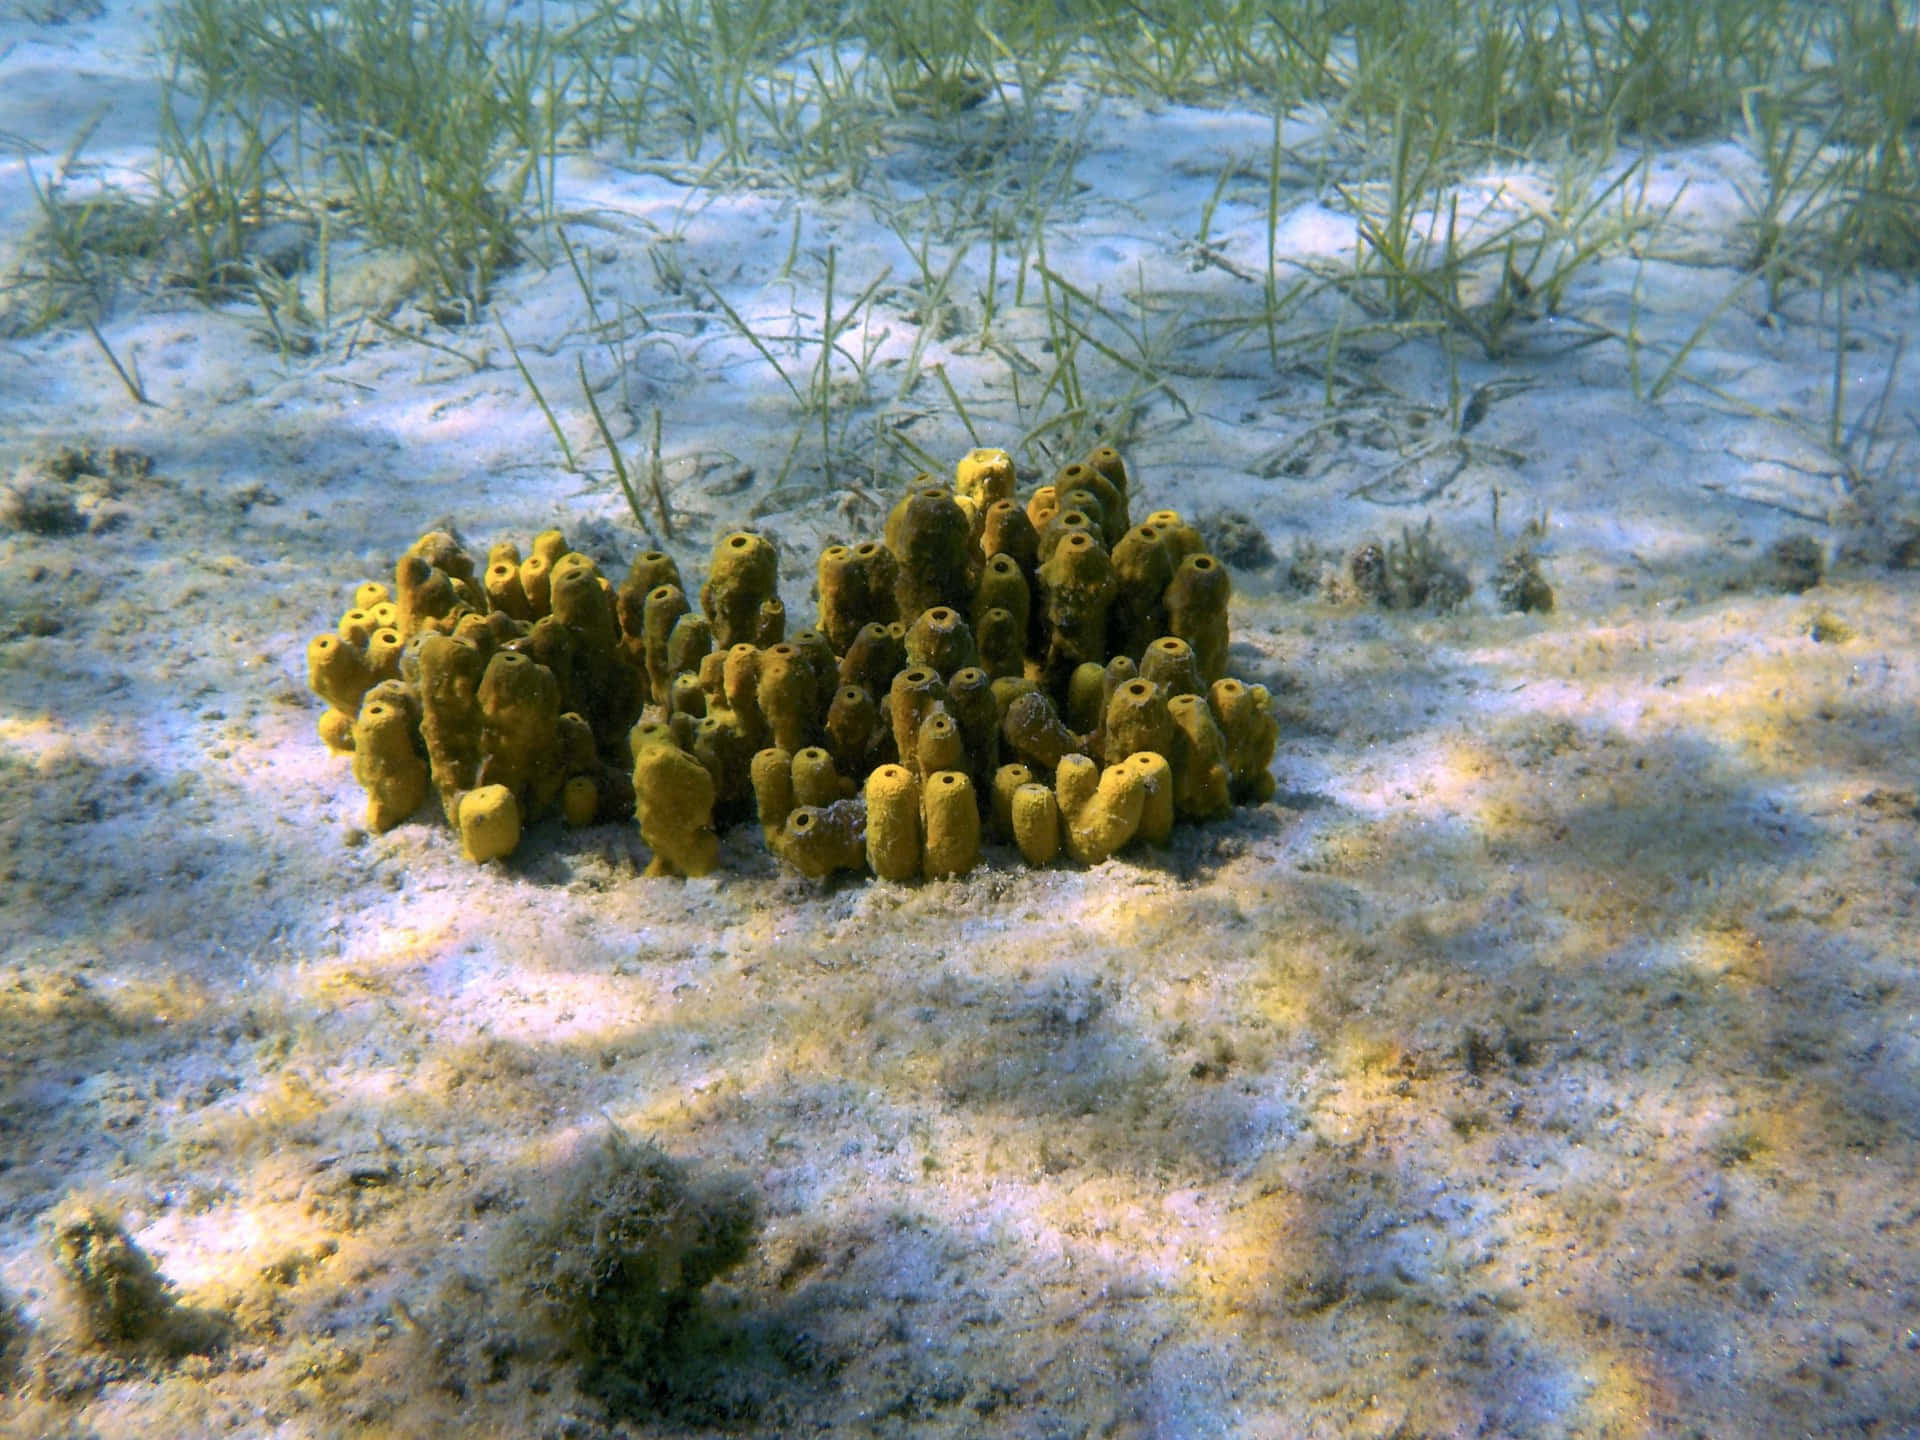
[1539,1061]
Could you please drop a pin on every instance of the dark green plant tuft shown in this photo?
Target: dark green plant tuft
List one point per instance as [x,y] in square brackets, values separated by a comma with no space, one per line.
[1234,536]
[1793,564]
[617,1263]
[1405,574]
[124,1302]
[1519,585]
[1420,571]
[123,1298]
[13,1343]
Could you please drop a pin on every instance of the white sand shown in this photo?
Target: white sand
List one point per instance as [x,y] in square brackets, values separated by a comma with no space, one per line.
[1543,1062]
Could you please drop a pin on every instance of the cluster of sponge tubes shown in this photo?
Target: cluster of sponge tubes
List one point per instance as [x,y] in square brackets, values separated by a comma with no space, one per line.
[1048,674]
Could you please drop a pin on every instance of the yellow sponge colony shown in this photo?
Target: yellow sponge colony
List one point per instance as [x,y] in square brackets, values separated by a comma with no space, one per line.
[1049,674]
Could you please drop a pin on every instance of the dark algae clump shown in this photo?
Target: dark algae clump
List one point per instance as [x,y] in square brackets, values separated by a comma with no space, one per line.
[616,1264]
[123,1300]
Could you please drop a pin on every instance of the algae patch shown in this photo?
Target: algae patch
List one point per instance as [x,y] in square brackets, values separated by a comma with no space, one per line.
[123,1300]
[616,1264]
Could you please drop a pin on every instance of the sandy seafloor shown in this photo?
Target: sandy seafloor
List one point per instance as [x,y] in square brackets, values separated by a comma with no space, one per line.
[1541,1062]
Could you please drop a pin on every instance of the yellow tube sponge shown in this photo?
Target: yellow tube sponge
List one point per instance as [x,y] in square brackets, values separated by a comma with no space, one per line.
[772,772]
[985,477]
[853,724]
[336,731]
[1007,779]
[816,780]
[489,820]
[1068,520]
[385,649]
[1108,462]
[355,626]
[450,724]
[673,798]
[502,585]
[928,534]
[876,655]
[338,672]
[941,639]
[914,695]
[650,570]
[1100,809]
[818,840]
[1034,731]
[951,819]
[788,696]
[1245,716]
[427,599]
[1003,584]
[971,702]
[1087,692]
[893,822]
[1043,505]
[659,613]
[1035,816]
[1077,579]
[384,762]
[1112,501]
[440,550]
[740,579]
[1137,720]
[601,683]
[770,622]
[1003,643]
[727,751]
[1197,611]
[1201,782]
[688,645]
[548,547]
[740,692]
[1157,809]
[519,726]
[816,653]
[940,746]
[580,598]
[580,801]
[1006,530]
[1176,534]
[1171,664]
[841,613]
[856,589]
[534,573]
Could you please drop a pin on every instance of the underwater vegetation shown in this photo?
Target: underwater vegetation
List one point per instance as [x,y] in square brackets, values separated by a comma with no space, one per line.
[122,1299]
[1793,564]
[604,1272]
[71,490]
[1415,572]
[1051,675]
[1407,573]
[1519,585]
[614,1264]
[299,138]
